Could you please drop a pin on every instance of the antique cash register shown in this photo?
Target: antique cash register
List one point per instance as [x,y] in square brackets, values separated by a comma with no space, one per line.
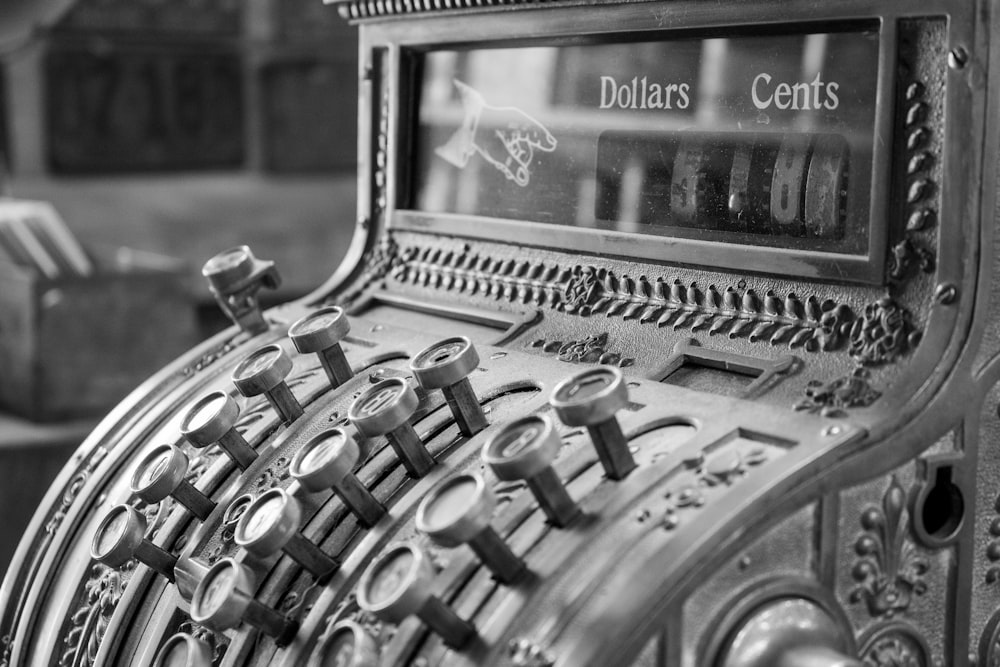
[667,336]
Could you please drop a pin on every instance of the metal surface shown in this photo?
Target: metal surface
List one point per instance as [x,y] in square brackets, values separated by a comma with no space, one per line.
[789,455]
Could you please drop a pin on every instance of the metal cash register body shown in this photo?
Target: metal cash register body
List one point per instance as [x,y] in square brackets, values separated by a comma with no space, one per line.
[667,337]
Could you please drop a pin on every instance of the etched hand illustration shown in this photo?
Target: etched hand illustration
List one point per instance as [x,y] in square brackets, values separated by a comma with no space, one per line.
[506,137]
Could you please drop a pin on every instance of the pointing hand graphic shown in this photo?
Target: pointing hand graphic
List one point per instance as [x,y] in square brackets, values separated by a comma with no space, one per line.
[505,137]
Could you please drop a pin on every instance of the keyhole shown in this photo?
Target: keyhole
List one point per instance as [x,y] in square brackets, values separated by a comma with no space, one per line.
[944,506]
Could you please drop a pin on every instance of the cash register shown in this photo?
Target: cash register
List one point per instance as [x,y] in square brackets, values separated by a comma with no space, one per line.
[668,336]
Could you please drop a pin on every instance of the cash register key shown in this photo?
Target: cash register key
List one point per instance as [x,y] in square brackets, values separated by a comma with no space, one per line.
[398,585]
[161,474]
[121,537]
[188,571]
[212,420]
[321,332]
[271,524]
[264,372]
[591,398]
[524,450]
[327,461]
[224,599]
[347,645]
[234,277]
[459,511]
[385,409]
[183,650]
[445,365]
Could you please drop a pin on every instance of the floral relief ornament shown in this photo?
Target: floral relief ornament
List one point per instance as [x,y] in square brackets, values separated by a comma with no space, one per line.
[882,334]
[890,571]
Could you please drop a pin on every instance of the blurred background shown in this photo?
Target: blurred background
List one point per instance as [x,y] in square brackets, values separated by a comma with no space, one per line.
[158,132]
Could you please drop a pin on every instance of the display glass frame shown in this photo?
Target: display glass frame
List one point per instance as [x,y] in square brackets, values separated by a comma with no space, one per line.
[863,264]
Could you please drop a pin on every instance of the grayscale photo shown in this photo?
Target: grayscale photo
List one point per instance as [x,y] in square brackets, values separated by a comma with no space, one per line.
[514,333]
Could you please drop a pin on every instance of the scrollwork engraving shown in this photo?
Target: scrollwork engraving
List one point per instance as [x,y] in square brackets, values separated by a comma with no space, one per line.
[90,621]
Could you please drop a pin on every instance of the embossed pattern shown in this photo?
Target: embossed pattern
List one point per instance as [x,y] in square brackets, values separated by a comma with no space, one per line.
[591,350]
[910,255]
[883,333]
[890,571]
[808,324]
[853,390]
[363,9]
[516,281]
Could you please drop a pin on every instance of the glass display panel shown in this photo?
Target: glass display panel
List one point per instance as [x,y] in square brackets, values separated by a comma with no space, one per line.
[757,139]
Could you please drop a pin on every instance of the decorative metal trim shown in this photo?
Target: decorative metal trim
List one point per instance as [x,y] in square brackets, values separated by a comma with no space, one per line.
[90,621]
[273,475]
[353,10]
[993,554]
[989,642]
[210,357]
[883,333]
[830,399]
[890,571]
[905,257]
[100,596]
[894,644]
[918,189]
[73,489]
[217,642]
[525,653]
[810,324]
[380,174]
[383,258]
[591,350]
[513,280]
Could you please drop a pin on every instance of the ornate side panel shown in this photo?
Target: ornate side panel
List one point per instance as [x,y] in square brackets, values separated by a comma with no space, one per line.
[895,587]
[983,636]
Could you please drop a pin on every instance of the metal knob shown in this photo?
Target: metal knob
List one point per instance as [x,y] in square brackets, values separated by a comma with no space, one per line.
[789,632]
[161,474]
[183,650]
[327,461]
[524,450]
[446,365]
[212,420]
[398,585]
[459,511]
[122,537]
[264,372]
[385,409]
[224,599]
[346,645]
[592,398]
[234,277]
[271,524]
[321,332]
